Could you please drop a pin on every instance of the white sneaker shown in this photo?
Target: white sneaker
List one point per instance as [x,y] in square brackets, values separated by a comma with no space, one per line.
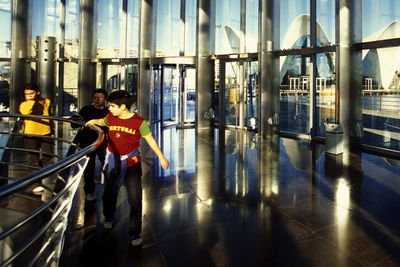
[91,197]
[38,190]
[108,225]
[137,241]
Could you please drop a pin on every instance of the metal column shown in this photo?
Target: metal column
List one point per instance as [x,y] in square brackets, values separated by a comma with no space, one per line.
[242,49]
[349,64]
[21,23]
[313,70]
[46,66]
[145,52]
[87,51]
[59,111]
[268,68]
[205,67]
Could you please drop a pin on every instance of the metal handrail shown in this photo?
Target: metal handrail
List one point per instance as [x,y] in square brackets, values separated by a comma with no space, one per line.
[45,172]
[60,203]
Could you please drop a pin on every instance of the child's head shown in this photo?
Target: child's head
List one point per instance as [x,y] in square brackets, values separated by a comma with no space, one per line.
[120,97]
[31,91]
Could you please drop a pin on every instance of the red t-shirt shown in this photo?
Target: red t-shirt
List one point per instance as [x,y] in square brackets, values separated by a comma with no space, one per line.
[124,135]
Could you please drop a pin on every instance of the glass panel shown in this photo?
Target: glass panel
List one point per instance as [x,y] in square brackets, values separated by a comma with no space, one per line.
[190,28]
[5,28]
[132,82]
[381,97]
[5,76]
[325,22]
[45,18]
[227,33]
[113,77]
[168,28]
[294,94]
[155,86]
[109,28]
[251,89]
[72,25]
[70,91]
[232,93]
[381,19]
[133,29]
[326,91]
[190,89]
[215,99]
[294,24]
[170,93]
[251,25]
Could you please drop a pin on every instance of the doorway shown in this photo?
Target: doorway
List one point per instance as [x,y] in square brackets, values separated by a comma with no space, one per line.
[240,94]
[173,94]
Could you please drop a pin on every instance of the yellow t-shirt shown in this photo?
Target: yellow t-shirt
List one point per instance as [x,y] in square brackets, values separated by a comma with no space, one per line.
[36,126]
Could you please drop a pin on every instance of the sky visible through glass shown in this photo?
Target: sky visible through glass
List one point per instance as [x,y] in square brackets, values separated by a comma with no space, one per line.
[376,16]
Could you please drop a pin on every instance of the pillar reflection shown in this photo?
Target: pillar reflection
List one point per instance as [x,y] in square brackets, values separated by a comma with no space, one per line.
[237,166]
[347,180]
[205,168]
[268,166]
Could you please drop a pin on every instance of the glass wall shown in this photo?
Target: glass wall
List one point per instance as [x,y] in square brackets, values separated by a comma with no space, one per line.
[133,29]
[381,77]
[251,94]
[294,24]
[5,28]
[381,97]
[168,28]
[72,25]
[325,91]
[155,87]
[251,26]
[380,19]
[109,25]
[295,93]
[380,73]
[232,93]
[325,22]
[227,33]
[45,18]
[190,28]
[5,52]
[70,95]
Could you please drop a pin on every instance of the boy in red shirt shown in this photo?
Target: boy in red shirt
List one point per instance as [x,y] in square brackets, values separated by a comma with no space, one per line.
[123,160]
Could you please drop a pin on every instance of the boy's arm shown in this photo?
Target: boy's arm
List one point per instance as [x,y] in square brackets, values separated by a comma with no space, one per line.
[99,122]
[153,145]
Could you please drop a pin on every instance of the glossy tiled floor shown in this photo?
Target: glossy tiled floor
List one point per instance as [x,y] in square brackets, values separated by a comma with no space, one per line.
[230,200]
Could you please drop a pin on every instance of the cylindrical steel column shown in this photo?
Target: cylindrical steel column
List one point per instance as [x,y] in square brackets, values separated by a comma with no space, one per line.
[205,67]
[268,68]
[349,64]
[20,50]
[182,28]
[46,66]
[145,52]
[59,110]
[242,49]
[87,51]
[313,70]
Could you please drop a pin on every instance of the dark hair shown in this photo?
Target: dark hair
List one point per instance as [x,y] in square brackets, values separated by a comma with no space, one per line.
[34,87]
[101,91]
[120,97]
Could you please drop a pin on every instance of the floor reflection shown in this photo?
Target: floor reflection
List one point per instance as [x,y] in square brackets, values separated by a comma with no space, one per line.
[232,199]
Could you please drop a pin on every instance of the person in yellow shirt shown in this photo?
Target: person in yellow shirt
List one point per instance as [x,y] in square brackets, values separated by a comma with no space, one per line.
[34,104]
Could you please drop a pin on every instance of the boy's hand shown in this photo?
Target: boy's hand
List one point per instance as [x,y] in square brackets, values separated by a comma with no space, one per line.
[164,163]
